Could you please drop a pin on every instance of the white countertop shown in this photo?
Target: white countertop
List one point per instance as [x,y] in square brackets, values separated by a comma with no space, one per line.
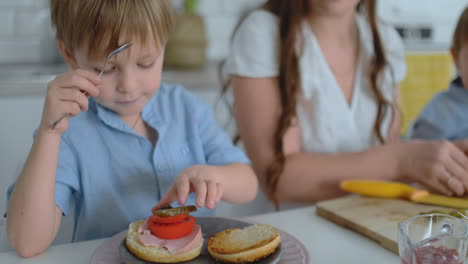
[32,79]
[324,241]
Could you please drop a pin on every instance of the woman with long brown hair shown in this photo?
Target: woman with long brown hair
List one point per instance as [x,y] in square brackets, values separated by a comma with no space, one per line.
[315,86]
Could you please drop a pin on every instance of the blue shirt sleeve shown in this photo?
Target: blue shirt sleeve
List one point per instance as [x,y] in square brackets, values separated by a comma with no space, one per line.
[425,129]
[217,145]
[432,123]
[67,182]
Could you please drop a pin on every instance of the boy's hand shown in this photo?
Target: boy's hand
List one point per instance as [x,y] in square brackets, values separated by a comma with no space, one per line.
[65,95]
[203,180]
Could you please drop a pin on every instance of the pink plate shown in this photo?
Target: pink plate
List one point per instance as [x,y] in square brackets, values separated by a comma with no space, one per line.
[291,250]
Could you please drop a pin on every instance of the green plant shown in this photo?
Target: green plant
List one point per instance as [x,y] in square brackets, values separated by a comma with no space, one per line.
[191,6]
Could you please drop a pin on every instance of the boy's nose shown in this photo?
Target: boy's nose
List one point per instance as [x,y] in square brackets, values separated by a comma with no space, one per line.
[126,83]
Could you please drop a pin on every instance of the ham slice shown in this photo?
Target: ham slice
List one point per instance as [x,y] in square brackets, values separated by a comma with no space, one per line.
[143,227]
[174,246]
[151,240]
[185,243]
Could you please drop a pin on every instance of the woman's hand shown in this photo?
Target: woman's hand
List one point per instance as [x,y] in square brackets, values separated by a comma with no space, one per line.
[65,96]
[203,180]
[441,166]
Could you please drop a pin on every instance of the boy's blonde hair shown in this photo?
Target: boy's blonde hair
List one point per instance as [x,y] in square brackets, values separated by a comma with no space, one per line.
[98,25]
[460,36]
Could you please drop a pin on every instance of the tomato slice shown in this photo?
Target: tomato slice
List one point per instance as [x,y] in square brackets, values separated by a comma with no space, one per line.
[169,219]
[172,230]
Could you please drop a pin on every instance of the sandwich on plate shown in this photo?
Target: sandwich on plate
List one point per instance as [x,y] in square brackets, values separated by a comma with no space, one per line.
[168,236]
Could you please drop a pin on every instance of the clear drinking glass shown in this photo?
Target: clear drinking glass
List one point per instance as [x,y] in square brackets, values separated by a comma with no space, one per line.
[433,239]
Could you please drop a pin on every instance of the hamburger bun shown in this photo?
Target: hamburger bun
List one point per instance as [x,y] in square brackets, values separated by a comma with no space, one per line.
[244,245]
[156,254]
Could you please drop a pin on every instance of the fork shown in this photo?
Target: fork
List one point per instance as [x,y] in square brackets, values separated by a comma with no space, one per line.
[108,57]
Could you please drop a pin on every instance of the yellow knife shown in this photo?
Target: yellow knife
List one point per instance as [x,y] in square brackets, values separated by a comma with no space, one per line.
[396,190]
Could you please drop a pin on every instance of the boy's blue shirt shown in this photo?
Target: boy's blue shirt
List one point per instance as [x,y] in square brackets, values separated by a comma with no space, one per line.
[114,176]
[445,117]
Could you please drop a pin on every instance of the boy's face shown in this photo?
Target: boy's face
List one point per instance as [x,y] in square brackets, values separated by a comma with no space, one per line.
[130,78]
[461,61]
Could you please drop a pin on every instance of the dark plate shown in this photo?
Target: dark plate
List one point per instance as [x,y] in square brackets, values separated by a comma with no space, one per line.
[210,226]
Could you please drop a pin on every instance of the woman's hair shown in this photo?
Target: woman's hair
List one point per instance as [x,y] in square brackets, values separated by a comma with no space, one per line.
[98,25]
[291,15]
[460,36]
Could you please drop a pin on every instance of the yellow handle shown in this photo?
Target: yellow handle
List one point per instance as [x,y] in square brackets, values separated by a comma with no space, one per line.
[381,189]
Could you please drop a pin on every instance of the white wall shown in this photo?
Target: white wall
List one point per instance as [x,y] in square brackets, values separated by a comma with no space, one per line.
[25,32]
[441,15]
[20,116]
[421,9]
[221,16]
[26,35]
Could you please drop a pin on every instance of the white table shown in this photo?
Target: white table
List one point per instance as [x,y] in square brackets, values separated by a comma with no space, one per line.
[325,242]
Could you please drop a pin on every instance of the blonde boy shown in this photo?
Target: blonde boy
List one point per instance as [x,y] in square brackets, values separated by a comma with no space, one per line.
[446,116]
[133,144]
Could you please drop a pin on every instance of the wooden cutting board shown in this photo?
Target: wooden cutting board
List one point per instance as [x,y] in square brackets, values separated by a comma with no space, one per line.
[375,218]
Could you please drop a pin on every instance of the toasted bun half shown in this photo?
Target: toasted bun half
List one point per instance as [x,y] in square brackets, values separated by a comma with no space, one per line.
[244,245]
[155,254]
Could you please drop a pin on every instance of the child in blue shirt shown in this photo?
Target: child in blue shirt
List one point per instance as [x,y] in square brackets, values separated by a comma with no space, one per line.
[446,116]
[134,144]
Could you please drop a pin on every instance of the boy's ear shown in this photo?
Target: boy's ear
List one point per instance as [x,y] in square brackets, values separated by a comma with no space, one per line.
[69,58]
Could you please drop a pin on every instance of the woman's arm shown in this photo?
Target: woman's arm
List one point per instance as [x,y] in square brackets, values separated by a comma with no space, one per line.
[33,217]
[309,177]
